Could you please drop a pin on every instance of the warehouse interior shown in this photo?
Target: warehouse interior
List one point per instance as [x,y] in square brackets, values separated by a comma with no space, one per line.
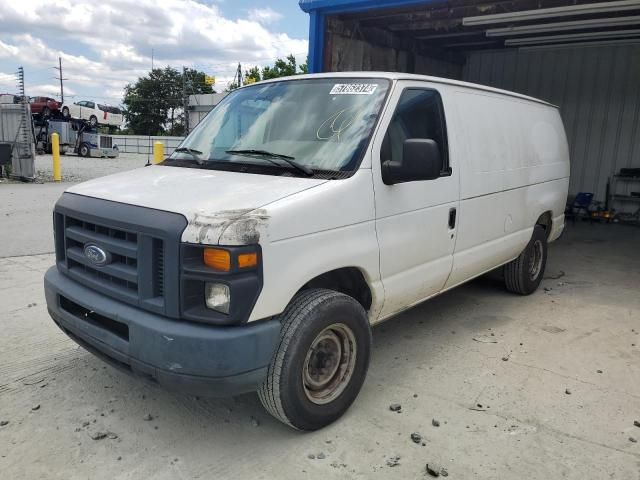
[583,56]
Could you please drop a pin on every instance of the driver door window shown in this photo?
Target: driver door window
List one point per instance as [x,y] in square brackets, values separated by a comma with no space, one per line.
[419,114]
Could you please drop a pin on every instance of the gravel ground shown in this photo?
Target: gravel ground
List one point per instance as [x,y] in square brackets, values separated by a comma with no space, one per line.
[79,169]
[492,385]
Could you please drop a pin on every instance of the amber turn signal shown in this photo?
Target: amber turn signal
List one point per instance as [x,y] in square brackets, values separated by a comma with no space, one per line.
[247,260]
[218,259]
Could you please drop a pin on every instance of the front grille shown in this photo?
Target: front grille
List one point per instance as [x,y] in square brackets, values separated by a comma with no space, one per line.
[141,246]
[122,270]
[106,142]
[158,267]
[122,275]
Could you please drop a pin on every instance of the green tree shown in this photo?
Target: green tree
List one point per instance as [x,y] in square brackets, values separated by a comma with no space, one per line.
[252,75]
[281,68]
[154,104]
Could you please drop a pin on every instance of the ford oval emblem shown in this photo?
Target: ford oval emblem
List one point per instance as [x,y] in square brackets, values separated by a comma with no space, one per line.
[96,255]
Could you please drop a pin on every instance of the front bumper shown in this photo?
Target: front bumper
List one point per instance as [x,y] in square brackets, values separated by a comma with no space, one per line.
[188,357]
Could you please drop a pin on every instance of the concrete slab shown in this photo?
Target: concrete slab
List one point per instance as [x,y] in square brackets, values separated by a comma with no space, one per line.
[499,419]
[26,225]
[26,208]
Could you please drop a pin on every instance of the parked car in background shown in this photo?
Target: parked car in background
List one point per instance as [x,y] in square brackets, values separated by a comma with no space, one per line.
[44,106]
[95,113]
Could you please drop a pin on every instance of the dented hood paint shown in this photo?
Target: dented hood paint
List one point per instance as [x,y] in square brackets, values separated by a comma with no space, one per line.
[220,207]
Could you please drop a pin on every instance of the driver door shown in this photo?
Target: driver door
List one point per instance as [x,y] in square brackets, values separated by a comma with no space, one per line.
[416,221]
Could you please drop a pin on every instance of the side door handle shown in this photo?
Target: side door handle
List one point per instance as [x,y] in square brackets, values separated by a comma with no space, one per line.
[452,218]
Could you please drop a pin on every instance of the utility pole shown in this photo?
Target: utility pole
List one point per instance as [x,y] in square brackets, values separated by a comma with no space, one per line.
[152,59]
[185,100]
[59,68]
[239,74]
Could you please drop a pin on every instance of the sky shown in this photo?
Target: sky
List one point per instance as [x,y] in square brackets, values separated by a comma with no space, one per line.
[106,44]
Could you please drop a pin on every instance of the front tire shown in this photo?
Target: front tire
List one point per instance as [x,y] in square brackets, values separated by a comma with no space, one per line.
[524,274]
[320,365]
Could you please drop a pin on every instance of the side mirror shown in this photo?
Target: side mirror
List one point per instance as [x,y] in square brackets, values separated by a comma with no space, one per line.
[420,161]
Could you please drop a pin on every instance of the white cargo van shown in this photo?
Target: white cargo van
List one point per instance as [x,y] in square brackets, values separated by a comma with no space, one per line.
[298,214]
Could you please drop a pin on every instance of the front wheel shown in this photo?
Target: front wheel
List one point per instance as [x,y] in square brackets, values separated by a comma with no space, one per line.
[524,274]
[320,365]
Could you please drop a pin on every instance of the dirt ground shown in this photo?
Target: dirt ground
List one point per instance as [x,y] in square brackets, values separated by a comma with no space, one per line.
[538,387]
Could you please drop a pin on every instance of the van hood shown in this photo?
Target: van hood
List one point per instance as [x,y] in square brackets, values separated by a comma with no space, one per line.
[213,202]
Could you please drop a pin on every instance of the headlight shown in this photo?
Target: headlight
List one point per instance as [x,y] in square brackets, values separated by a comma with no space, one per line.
[211,275]
[217,297]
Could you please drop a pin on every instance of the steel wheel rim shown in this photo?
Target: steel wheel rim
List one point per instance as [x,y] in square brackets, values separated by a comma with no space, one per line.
[535,259]
[329,364]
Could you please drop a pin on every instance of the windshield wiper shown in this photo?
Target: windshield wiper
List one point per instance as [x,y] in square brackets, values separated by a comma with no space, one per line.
[270,155]
[192,151]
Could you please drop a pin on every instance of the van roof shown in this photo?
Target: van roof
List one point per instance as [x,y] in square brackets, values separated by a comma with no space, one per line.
[411,76]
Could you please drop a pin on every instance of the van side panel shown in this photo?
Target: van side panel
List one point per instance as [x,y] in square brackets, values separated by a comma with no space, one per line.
[515,168]
[494,221]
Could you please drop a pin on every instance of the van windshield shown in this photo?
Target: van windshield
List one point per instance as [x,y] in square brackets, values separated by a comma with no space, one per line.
[304,127]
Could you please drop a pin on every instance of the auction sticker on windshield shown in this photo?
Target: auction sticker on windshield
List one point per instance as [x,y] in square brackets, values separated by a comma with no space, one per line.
[353,89]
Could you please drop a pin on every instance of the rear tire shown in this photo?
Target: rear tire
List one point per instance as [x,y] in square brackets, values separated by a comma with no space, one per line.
[320,365]
[524,274]
[84,150]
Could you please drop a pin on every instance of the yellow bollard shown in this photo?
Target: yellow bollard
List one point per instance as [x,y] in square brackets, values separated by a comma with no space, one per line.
[55,150]
[158,152]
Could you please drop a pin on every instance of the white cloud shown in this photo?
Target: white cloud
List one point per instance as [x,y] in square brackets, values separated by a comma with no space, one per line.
[264,15]
[51,89]
[7,82]
[7,51]
[106,45]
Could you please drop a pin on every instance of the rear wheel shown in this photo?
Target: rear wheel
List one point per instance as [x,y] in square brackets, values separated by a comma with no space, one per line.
[84,150]
[321,362]
[524,274]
